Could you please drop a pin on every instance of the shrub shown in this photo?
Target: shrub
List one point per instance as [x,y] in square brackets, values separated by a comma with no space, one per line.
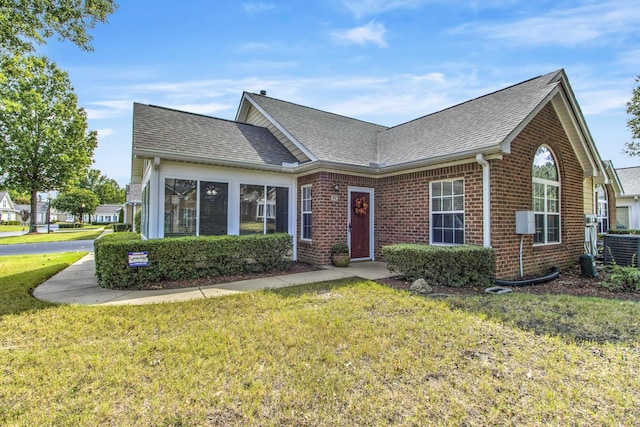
[7,222]
[340,248]
[70,225]
[120,228]
[137,220]
[455,266]
[623,278]
[621,231]
[188,257]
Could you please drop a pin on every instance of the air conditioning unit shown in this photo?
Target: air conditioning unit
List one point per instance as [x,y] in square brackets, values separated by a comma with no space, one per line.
[590,219]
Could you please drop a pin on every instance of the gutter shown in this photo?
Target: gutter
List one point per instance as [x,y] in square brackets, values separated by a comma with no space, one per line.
[486,199]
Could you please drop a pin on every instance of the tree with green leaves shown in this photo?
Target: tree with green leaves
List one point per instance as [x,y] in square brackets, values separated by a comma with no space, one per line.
[25,22]
[632,148]
[108,190]
[45,144]
[76,201]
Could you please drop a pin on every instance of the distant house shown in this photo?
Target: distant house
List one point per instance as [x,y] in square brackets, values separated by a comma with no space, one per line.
[133,202]
[8,211]
[628,205]
[42,211]
[457,176]
[104,214]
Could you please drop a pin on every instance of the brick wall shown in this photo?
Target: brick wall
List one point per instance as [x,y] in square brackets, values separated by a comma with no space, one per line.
[511,190]
[402,204]
[329,217]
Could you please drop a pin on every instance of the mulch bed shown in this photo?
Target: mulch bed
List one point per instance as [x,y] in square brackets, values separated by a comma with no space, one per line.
[570,282]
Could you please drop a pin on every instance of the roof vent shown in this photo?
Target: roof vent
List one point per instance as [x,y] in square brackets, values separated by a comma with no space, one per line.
[263,92]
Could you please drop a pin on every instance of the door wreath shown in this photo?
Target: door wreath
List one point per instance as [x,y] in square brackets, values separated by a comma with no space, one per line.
[360,206]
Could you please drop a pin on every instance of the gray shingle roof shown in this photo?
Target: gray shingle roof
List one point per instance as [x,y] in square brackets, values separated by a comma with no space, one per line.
[201,137]
[630,180]
[471,126]
[328,136]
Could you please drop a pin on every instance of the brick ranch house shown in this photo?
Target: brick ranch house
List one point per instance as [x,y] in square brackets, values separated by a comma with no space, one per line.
[452,177]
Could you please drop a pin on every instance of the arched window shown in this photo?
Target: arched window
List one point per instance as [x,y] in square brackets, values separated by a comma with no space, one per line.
[602,208]
[546,197]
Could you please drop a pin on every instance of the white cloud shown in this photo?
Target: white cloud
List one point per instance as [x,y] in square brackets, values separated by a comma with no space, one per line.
[372,7]
[590,23]
[258,7]
[370,33]
[103,133]
[109,109]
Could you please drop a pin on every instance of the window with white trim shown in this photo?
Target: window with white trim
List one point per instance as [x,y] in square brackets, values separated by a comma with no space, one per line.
[546,197]
[447,212]
[602,209]
[305,208]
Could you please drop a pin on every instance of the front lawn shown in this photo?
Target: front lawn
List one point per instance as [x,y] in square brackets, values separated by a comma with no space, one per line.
[6,228]
[349,352]
[58,236]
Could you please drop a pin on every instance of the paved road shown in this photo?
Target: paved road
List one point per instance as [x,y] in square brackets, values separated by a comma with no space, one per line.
[41,229]
[46,248]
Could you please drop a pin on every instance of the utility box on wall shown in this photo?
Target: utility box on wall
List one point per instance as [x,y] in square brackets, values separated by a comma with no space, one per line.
[525,222]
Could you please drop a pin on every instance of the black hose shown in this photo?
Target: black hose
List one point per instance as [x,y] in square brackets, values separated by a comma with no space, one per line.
[553,274]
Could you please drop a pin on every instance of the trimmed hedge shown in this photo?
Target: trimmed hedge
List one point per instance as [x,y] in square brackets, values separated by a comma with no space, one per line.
[7,222]
[187,257]
[120,228]
[454,266]
[620,231]
[70,225]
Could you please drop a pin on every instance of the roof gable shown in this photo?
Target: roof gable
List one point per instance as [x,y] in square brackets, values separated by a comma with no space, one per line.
[321,135]
[630,179]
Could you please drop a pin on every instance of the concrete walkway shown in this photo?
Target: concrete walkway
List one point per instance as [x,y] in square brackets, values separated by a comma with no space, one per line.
[77,284]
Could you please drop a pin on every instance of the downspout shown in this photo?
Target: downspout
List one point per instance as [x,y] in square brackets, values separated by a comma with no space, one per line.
[486,199]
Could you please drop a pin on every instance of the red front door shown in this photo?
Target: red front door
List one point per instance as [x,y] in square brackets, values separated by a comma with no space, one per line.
[360,225]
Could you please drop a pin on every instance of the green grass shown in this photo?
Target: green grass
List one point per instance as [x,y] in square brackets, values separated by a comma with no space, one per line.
[348,352]
[6,228]
[20,273]
[58,236]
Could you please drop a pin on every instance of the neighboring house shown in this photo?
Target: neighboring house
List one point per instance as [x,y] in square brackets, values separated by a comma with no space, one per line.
[104,214]
[41,213]
[133,203]
[457,176]
[628,206]
[8,211]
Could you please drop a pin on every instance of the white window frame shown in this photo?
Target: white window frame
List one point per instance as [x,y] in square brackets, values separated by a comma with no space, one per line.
[546,214]
[452,211]
[602,208]
[303,212]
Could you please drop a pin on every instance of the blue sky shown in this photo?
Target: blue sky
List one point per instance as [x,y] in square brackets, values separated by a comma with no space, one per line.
[384,61]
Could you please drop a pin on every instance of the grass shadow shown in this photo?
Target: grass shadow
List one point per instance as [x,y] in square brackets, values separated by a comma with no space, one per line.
[16,290]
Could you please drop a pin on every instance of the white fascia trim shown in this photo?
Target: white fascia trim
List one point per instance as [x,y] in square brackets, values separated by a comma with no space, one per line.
[228,163]
[597,166]
[402,168]
[295,142]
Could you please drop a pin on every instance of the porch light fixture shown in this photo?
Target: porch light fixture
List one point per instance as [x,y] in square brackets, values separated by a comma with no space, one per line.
[211,191]
[336,187]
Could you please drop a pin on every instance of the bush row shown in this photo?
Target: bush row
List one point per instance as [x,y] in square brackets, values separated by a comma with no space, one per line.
[120,228]
[456,266]
[621,231]
[187,257]
[70,225]
[7,222]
